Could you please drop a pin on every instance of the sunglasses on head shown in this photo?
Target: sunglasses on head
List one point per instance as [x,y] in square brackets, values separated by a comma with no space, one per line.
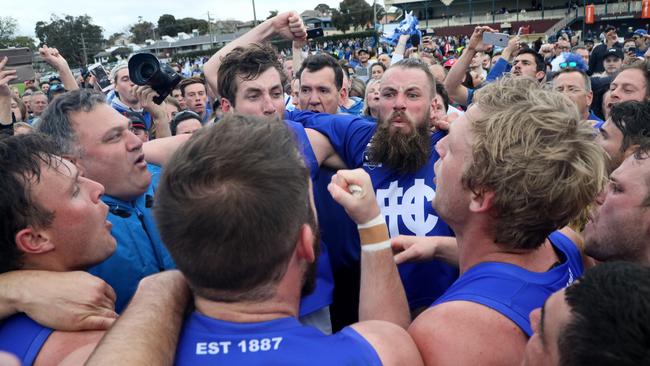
[571,64]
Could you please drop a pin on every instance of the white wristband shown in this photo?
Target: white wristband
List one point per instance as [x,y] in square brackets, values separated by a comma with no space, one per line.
[374,222]
[376,247]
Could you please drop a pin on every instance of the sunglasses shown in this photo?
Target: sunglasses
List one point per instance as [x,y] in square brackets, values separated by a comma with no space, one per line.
[571,64]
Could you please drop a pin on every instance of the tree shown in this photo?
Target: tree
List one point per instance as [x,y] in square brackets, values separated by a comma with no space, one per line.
[22,41]
[70,35]
[167,25]
[141,31]
[272,13]
[7,28]
[114,37]
[356,12]
[341,21]
[188,24]
[381,12]
[323,9]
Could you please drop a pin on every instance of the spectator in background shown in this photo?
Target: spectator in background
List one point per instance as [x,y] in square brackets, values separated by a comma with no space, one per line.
[39,103]
[599,52]
[641,40]
[195,96]
[377,70]
[384,59]
[362,70]
[45,86]
[137,125]
[176,93]
[18,109]
[372,99]
[576,85]
[632,83]
[583,52]
[612,62]
[172,107]
[185,122]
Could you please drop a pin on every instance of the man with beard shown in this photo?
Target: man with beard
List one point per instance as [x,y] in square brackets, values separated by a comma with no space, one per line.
[397,152]
[251,193]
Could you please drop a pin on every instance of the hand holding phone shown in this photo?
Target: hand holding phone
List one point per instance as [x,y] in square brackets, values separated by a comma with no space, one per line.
[314,33]
[19,59]
[101,77]
[496,39]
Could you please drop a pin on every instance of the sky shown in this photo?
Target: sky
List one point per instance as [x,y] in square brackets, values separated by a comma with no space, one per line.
[117,15]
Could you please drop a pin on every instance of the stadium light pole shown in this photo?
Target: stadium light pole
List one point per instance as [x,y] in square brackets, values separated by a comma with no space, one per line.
[254,14]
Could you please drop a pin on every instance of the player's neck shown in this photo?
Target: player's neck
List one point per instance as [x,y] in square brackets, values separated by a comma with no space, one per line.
[479,247]
[284,303]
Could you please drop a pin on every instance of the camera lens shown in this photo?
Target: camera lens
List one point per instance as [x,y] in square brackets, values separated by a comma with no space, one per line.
[147,70]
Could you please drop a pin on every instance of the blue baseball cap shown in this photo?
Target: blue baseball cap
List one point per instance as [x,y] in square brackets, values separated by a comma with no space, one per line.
[641,32]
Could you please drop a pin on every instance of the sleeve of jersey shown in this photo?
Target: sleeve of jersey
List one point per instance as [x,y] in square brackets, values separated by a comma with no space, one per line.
[349,135]
[23,337]
[500,67]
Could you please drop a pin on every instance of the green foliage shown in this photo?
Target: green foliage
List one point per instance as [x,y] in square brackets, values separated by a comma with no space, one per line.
[352,13]
[141,31]
[168,25]
[66,35]
[323,9]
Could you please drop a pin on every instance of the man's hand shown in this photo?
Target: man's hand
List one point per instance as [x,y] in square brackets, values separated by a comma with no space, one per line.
[68,301]
[476,40]
[53,57]
[513,46]
[425,248]
[360,206]
[5,77]
[289,25]
[145,95]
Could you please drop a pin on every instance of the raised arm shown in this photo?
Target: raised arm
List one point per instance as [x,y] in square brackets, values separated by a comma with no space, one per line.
[382,295]
[288,25]
[147,332]
[160,150]
[159,118]
[457,92]
[54,59]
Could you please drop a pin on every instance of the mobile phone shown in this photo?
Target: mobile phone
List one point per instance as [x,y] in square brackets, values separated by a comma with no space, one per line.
[632,49]
[315,33]
[496,39]
[19,59]
[101,77]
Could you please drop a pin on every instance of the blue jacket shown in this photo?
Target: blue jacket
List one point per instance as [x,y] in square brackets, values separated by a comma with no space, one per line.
[140,251]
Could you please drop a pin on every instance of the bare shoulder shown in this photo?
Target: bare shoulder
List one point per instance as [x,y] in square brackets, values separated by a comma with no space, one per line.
[62,344]
[467,333]
[392,343]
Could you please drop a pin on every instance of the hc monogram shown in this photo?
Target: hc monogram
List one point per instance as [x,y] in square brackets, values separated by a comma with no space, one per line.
[410,208]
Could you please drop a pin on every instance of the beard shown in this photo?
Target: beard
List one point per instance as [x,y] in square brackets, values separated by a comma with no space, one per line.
[404,152]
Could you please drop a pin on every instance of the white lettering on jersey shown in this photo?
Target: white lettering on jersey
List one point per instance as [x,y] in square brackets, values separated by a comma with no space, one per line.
[411,208]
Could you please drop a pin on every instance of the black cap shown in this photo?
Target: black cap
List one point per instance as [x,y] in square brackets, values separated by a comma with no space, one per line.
[614,52]
[609,28]
[363,50]
[136,119]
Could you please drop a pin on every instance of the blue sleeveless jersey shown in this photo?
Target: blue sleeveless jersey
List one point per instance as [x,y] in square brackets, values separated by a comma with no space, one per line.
[324,291]
[404,199]
[23,337]
[207,341]
[513,291]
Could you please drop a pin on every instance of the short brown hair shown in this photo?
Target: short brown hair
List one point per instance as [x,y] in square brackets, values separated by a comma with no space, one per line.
[189,81]
[248,64]
[414,63]
[539,158]
[231,205]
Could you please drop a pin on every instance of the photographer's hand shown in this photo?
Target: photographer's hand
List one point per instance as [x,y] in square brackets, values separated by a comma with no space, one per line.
[160,119]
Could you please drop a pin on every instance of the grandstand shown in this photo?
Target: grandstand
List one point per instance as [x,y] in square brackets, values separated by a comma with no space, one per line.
[538,16]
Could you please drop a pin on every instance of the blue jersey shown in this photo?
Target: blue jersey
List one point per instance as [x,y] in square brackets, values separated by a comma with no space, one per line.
[23,337]
[140,251]
[404,198]
[324,292]
[284,341]
[513,291]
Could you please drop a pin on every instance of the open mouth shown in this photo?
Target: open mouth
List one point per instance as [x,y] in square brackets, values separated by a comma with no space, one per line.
[140,161]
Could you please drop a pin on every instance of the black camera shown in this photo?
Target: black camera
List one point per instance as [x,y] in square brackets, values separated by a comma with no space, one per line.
[145,69]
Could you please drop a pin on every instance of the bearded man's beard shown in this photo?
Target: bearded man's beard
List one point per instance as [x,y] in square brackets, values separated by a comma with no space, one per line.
[405,153]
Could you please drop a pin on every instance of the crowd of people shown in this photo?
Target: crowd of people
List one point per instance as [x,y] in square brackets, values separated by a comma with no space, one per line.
[435,202]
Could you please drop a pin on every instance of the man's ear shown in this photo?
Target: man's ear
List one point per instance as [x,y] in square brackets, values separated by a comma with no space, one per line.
[305,244]
[540,75]
[343,96]
[33,241]
[481,201]
[225,105]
